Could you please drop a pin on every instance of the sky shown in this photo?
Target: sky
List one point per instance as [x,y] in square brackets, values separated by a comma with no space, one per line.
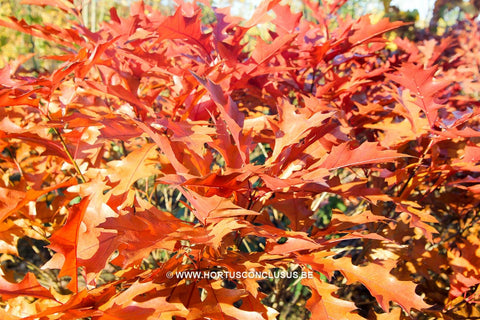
[424,7]
[245,7]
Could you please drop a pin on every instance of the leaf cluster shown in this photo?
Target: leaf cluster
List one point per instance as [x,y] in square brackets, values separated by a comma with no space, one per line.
[164,144]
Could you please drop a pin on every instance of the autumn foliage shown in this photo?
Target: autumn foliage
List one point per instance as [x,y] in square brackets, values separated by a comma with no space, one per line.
[164,144]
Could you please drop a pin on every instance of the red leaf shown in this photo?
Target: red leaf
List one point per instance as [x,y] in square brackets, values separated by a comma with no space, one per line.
[364,30]
[124,305]
[368,153]
[165,145]
[9,98]
[230,114]
[422,85]
[210,209]
[65,243]
[285,21]
[66,6]
[18,199]
[186,28]
[294,126]
[52,147]
[263,52]
[47,32]
[260,14]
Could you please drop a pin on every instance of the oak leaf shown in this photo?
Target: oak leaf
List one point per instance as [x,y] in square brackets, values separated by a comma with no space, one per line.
[382,285]
[29,286]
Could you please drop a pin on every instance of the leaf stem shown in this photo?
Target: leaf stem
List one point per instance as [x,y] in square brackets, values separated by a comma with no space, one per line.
[75,165]
[419,163]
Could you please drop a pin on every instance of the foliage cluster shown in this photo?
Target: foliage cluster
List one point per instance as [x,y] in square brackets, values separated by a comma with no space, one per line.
[162,144]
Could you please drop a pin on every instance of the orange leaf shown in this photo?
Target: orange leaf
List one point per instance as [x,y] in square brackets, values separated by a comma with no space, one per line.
[29,286]
[382,285]
[324,305]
